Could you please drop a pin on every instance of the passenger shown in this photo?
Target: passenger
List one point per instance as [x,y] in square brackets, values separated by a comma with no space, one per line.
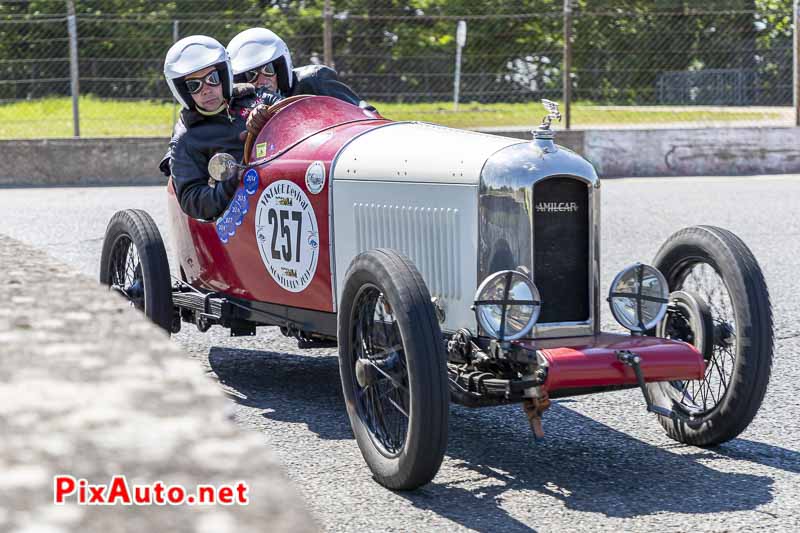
[214,115]
[260,57]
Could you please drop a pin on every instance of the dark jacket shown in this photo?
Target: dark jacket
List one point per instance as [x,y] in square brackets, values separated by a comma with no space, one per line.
[195,139]
[320,80]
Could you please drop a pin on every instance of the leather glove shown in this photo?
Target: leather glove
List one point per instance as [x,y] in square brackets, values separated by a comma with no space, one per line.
[269,97]
[257,119]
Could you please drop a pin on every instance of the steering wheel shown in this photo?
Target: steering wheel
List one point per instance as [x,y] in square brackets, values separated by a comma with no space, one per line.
[271,112]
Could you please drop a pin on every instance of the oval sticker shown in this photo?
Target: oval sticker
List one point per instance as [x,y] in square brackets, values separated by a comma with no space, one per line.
[315,177]
[287,235]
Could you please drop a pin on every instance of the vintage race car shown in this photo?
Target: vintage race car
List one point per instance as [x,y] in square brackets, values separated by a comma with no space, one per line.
[451,265]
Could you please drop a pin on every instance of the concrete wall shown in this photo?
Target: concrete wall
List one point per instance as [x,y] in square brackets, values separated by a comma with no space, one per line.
[92,389]
[694,152]
[615,153]
[683,152]
[104,161]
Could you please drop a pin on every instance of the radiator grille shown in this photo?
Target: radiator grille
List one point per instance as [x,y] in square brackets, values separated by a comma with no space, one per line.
[429,236]
[561,249]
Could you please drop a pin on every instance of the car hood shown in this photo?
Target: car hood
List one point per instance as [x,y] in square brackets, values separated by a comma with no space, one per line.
[418,152]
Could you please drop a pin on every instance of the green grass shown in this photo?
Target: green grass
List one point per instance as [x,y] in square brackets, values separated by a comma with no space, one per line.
[474,115]
[52,117]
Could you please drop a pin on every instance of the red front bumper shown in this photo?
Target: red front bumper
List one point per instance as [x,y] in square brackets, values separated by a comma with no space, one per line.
[591,362]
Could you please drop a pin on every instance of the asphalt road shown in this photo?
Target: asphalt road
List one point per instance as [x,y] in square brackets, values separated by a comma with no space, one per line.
[605,463]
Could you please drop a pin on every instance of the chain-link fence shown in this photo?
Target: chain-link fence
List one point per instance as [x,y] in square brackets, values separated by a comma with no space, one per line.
[630,62]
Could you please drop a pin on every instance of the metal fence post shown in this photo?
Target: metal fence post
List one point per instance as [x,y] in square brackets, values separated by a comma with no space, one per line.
[796,62]
[74,82]
[327,34]
[461,40]
[567,70]
[176,24]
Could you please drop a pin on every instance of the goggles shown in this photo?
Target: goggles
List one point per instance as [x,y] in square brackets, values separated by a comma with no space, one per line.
[195,85]
[267,70]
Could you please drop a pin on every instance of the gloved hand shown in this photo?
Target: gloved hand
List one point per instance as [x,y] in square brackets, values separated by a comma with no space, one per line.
[269,97]
[257,119]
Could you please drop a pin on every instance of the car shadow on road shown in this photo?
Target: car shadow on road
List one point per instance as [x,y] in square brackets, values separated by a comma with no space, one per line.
[590,467]
[756,452]
[584,464]
[290,387]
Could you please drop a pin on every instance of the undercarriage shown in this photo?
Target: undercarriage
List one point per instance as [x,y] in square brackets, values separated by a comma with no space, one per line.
[483,372]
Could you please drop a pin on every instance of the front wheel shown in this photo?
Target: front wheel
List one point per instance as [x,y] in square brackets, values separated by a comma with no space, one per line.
[393,369]
[134,264]
[720,304]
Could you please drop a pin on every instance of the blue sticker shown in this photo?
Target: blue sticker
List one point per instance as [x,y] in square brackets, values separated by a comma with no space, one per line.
[240,200]
[251,181]
[222,231]
[236,215]
[229,225]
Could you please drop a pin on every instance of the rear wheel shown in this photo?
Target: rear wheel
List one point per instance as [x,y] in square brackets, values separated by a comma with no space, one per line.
[134,264]
[720,304]
[393,369]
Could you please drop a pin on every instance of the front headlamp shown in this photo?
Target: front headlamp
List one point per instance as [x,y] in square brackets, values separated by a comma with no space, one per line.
[507,305]
[638,297]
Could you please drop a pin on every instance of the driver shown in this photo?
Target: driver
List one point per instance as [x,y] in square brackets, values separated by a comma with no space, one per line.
[214,114]
[260,57]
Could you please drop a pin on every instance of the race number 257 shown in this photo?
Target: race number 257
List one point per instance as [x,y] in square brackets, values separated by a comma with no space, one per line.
[280,219]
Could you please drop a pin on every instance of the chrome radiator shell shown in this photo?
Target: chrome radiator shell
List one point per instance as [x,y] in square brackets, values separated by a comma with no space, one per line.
[506,209]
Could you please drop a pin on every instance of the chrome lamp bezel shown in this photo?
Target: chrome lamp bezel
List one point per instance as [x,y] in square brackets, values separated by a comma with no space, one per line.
[505,303]
[639,327]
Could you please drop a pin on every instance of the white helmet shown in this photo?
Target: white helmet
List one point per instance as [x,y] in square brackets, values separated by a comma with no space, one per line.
[259,46]
[191,54]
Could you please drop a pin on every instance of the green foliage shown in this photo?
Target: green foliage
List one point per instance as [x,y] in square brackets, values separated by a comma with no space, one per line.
[404,49]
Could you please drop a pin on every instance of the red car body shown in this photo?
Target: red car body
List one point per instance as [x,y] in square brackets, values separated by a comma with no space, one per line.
[316,129]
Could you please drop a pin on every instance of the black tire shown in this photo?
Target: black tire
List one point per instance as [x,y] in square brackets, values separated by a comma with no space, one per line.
[413,376]
[714,265]
[134,263]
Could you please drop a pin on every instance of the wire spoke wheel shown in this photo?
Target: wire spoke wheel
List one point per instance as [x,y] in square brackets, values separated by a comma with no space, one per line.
[393,369]
[701,313]
[383,400]
[134,264]
[126,272]
[719,303]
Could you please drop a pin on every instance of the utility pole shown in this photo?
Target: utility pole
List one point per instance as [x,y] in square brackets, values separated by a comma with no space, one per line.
[327,34]
[567,70]
[72,31]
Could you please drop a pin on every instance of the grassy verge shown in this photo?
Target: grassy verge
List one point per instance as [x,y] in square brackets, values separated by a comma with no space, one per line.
[52,117]
[475,115]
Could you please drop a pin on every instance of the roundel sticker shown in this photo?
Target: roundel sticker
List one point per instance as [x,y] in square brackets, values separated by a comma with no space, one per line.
[222,230]
[315,177]
[287,235]
[240,200]
[236,214]
[251,181]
